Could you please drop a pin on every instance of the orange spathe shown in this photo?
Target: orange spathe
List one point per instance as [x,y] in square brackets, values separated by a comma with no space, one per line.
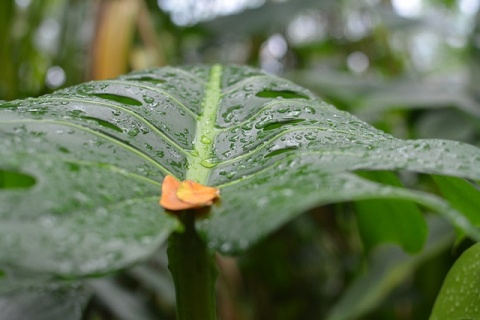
[187,194]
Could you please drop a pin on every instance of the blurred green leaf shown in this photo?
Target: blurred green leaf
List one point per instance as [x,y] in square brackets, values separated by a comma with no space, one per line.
[61,303]
[407,95]
[388,267]
[462,195]
[459,297]
[447,124]
[269,18]
[393,221]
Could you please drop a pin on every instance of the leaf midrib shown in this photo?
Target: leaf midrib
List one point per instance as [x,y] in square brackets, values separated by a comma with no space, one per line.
[206,130]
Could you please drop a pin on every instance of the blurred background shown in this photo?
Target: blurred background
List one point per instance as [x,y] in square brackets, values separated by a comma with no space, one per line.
[408,67]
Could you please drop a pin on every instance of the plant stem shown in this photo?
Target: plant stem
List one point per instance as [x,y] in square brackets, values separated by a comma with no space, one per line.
[194,273]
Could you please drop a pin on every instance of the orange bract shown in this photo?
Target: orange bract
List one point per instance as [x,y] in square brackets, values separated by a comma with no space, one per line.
[187,194]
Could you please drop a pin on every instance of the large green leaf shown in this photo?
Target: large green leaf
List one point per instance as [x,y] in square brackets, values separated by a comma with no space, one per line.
[92,158]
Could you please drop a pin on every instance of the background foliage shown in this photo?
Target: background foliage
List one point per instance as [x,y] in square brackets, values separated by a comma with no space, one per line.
[409,70]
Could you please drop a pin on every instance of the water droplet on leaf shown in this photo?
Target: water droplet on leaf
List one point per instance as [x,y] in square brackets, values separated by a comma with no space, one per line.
[133,132]
[205,140]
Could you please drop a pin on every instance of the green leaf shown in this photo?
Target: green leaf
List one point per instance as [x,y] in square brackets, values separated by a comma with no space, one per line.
[266,19]
[387,268]
[410,95]
[462,195]
[459,297]
[99,151]
[394,221]
[45,303]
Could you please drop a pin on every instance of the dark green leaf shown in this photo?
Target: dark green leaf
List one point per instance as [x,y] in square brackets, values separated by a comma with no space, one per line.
[462,195]
[394,221]
[98,153]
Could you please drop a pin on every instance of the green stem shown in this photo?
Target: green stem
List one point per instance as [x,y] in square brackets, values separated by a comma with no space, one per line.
[193,268]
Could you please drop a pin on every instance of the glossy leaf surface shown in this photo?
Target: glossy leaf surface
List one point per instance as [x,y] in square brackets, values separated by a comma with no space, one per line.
[459,297]
[92,158]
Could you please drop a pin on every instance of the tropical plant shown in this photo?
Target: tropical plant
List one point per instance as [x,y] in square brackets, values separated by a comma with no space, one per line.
[81,172]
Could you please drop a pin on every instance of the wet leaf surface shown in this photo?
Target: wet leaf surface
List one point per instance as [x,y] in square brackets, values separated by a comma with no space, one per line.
[50,303]
[92,158]
[459,297]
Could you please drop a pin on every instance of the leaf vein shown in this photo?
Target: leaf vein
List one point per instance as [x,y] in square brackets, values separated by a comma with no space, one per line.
[253,116]
[158,90]
[263,145]
[105,165]
[286,158]
[243,82]
[135,115]
[99,134]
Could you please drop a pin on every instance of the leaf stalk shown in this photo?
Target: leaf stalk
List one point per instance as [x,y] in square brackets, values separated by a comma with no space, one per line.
[194,273]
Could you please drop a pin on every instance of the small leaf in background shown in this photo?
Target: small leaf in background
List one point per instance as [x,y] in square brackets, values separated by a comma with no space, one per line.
[388,267]
[459,297]
[187,194]
[389,220]
[462,195]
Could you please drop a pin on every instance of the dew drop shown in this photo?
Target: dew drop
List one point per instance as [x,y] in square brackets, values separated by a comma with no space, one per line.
[63,150]
[282,109]
[205,140]
[194,153]
[309,110]
[133,132]
[148,99]
[247,126]
[208,163]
